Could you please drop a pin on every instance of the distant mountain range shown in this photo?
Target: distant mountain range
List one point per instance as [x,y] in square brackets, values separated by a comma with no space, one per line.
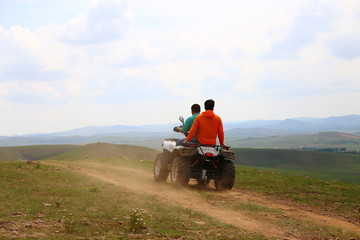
[149,135]
[305,125]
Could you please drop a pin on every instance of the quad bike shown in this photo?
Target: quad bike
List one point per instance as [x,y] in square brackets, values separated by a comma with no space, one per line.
[193,160]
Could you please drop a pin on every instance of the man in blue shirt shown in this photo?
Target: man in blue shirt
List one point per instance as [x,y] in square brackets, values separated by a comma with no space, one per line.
[195,110]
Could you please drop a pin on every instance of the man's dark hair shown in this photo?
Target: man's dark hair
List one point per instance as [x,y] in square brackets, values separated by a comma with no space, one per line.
[195,108]
[209,104]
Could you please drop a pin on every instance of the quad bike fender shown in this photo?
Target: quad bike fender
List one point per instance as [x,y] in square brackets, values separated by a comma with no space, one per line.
[169,144]
[228,155]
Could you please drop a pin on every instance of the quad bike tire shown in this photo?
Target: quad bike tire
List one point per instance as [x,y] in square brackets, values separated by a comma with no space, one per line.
[161,171]
[226,177]
[180,171]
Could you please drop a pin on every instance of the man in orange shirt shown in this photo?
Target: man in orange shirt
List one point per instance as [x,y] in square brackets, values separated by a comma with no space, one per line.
[207,126]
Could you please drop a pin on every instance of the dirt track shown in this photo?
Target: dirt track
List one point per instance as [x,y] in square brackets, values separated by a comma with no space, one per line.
[189,198]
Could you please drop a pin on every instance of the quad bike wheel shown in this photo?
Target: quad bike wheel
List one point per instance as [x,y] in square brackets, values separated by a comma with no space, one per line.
[180,171]
[226,178]
[161,171]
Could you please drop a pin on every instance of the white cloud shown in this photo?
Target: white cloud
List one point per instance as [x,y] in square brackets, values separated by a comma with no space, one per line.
[103,22]
[156,55]
[25,56]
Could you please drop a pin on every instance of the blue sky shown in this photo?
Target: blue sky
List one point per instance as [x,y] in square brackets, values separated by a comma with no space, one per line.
[69,64]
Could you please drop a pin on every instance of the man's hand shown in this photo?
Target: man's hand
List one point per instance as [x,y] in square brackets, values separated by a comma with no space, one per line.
[177,129]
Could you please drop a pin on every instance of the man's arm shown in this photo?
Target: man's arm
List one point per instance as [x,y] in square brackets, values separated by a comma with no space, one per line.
[185,128]
[178,129]
[221,132]
[187,125]
[193,130]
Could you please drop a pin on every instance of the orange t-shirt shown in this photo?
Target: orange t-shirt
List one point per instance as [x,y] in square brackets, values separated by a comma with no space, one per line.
[207,127]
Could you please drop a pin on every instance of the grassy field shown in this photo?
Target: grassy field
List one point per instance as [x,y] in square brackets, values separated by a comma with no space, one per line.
[335,166]
[40,201]
[43,202]
[331,196]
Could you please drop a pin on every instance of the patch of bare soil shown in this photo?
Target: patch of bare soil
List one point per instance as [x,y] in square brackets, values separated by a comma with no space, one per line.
[16,229]
[189,198]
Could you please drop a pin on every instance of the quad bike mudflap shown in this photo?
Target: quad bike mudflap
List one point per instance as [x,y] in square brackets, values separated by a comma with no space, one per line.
[201,162]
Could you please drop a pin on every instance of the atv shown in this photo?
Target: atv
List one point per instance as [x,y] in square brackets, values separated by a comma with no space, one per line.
[193,160]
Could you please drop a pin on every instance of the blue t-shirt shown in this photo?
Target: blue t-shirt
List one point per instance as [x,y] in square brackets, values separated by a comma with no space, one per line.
[189,122]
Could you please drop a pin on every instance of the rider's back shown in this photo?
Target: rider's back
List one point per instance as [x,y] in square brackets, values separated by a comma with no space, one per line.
[207,126]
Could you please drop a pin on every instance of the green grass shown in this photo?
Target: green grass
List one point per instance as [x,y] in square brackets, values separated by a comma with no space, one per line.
[330,196]
[57,204]
[240,205]
[308,229]
[327,166]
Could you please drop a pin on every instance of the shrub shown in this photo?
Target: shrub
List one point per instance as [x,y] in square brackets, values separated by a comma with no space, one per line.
[137,219]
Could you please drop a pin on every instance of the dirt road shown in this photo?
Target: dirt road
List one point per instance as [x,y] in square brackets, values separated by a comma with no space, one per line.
[280,220]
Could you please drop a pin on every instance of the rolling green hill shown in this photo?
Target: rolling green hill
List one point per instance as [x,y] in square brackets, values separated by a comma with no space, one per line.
[108,151]
[33,152]
[324,165]
[75,152]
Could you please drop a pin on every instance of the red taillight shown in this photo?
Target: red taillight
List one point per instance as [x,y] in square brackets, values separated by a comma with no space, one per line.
[192,144]
[209,155]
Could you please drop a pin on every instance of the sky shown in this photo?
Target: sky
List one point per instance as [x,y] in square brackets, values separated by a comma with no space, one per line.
[70,64]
